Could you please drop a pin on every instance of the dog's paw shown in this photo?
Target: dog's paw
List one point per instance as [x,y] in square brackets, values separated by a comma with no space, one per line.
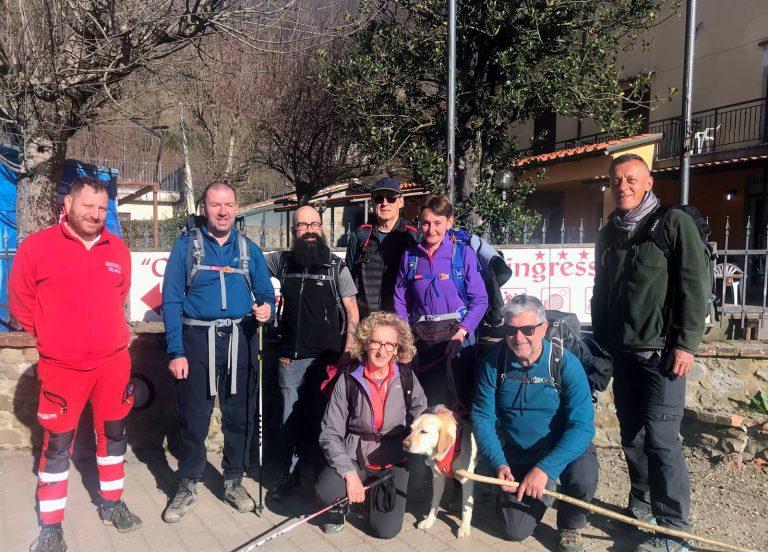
[426,523]
[463,532]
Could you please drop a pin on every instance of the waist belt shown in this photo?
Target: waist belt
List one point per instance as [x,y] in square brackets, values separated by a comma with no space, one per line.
[452,316]
[234,341]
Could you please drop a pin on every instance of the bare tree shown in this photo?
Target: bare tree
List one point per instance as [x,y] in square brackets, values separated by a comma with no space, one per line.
[63,61]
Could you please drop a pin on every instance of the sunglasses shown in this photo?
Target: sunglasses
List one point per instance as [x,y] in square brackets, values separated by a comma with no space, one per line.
[378,199]
[527,331]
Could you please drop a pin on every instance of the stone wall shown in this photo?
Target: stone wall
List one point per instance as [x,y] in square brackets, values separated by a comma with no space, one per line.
[725,377]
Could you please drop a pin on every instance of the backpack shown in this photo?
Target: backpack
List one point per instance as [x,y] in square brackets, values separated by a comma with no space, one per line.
[333,275]
[564,332]
[490,263]
[406,382]
[196,254]
[655,232]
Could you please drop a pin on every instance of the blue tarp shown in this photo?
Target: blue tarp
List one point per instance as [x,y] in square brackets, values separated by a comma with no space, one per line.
[72,168]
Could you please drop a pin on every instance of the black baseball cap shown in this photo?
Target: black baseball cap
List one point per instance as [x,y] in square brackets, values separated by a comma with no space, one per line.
[386,183]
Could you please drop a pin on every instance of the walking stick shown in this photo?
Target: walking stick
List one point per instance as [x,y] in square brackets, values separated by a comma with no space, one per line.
[260,507]
[250,547]
[610,513]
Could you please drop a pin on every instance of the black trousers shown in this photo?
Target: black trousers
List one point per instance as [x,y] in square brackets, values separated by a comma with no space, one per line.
[195,405]
[386,502]
[437,379]
[649,405]
[579,480]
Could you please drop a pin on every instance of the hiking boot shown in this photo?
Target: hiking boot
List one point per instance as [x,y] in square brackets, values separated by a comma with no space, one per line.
[570,541]
[118,514]
[50,539]
[664,544]
[237,497]
[333,522]
[642,515]
[182,502]
[284,487]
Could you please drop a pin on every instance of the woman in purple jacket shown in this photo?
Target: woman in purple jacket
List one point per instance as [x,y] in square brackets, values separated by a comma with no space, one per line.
[441,292]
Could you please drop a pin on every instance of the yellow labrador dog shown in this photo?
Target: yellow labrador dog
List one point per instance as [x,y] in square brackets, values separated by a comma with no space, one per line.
[434,435]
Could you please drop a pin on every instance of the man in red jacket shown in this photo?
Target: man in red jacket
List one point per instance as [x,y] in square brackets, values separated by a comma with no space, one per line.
[67,288]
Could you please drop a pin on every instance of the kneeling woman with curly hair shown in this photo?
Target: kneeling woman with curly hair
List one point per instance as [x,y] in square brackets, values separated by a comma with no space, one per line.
[370,409]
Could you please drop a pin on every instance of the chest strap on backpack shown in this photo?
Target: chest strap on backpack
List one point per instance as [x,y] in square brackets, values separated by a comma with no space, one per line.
[198,253]
[234,342]
[456,275]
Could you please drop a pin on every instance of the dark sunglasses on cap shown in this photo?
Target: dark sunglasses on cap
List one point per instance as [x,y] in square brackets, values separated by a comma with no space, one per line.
[378,199]
[527,331]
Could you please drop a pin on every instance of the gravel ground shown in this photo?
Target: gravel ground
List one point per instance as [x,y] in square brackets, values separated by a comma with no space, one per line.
[730,503]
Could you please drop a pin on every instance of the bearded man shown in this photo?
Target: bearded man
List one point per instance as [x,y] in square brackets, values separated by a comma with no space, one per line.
[317,309]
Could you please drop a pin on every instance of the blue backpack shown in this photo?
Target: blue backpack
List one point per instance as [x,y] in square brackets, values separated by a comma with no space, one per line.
[490,263]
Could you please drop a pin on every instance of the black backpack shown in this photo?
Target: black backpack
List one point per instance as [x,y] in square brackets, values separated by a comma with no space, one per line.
[564,331]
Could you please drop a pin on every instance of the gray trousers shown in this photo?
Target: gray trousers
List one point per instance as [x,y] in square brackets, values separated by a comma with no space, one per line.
[649,405]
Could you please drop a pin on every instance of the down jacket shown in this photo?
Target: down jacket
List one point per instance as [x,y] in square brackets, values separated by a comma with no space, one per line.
[340,432]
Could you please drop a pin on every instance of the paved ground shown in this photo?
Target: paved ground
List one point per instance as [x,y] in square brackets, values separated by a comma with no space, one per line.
[214,526]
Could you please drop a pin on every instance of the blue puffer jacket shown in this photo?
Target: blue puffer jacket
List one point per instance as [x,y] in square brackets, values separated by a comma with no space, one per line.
[539,426]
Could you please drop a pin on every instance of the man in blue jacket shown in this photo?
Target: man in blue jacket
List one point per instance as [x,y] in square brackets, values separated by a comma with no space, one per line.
[544,407]
[214,280]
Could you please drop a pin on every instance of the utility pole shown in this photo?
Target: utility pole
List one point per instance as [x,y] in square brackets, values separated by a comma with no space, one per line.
[685,127]
[189,193]
[450,142]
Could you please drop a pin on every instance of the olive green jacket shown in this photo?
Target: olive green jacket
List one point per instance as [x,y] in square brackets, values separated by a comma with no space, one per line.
[643,300]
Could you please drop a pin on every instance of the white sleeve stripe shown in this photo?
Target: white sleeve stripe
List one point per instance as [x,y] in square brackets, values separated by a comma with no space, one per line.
[111,485]
[46,477]
[109,460]
[53,505]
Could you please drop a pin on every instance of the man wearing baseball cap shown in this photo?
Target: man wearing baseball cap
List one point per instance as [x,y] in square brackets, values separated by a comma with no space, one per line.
[375,249]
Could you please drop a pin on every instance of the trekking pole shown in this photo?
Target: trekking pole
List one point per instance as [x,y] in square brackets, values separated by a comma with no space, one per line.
[260,506]
[610,513]
[249,547]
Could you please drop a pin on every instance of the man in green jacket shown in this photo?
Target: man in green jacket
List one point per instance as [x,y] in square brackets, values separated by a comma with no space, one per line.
[648,308]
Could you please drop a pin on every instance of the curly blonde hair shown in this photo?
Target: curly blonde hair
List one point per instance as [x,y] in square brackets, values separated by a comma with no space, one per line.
[405,348]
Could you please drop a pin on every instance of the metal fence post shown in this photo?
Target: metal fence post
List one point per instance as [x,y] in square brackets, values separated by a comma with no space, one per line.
[581,230]
[544,231]
[562,231]
[525,233]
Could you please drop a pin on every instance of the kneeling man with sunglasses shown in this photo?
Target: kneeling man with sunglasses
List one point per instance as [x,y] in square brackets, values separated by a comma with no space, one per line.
[546,421]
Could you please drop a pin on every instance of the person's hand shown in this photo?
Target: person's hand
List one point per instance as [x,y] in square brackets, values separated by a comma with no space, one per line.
[262,312]
[355,489]
[533,484]
[505,473]
[179,367]
[679,363]
[454,345]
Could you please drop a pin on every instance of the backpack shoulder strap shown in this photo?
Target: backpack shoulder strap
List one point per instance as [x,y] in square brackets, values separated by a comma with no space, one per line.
[364,233]
[413,261]
[457,269]
[353,392]
[501,363]
[406,382]
[556,362]
[655,228]
[195,254]
[245,259]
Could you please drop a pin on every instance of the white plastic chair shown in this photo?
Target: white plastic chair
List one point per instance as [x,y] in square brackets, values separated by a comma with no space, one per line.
[732,274]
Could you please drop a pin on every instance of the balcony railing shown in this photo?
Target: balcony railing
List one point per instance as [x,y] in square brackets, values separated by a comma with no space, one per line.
[733,126]
[726,127]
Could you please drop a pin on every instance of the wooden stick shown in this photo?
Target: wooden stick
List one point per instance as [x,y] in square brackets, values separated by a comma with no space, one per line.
[609,513]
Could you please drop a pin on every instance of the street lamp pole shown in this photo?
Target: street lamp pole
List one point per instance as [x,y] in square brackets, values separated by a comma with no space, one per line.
[451,114]
[685,130]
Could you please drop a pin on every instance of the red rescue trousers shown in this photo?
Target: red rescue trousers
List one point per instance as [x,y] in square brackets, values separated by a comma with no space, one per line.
[63,394]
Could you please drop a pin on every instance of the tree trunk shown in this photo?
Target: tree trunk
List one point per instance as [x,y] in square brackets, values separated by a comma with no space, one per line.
[38,187]
[469,169]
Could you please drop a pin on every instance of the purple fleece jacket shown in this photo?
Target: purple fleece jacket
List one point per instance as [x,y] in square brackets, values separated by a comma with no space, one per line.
[417,297]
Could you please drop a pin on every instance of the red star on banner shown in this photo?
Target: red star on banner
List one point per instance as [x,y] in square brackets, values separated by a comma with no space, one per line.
[584,254]
[539,255]
[563,255]
[154,299]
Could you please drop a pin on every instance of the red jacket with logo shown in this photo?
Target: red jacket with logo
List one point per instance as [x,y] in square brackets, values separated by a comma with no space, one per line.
[71,298]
